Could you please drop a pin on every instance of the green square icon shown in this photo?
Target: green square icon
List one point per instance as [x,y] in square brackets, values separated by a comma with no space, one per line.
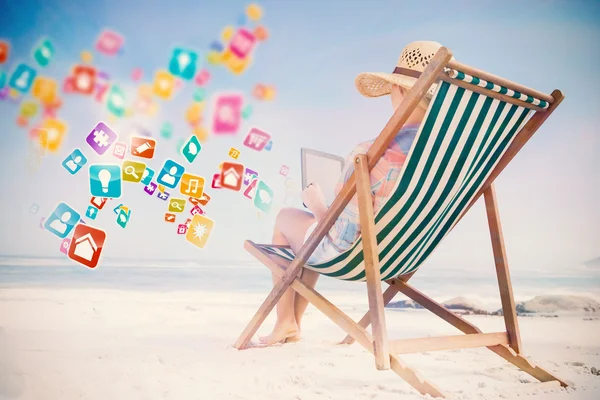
[263,197]
[44,52]
[115,101]
[191,149]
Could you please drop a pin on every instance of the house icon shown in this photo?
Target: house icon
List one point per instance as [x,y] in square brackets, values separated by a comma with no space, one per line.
[85,247]
[231,177]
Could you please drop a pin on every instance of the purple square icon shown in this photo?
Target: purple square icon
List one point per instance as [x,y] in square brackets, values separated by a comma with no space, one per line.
[150,188]
[249,175]
[163,196]
[101,138]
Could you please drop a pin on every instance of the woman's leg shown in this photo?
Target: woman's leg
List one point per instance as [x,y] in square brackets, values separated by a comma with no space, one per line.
[290,228]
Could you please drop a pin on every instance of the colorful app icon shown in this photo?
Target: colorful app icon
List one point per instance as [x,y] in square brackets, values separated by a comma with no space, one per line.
[42,221]
[44,89]
[3,81]
[192,185]
[137,74]
[28,109]
[115,102]
[74,161]
[197,210]
[169,217]
[204,199]
[170,174]
[166,130]
[191,149]
[119,150]
[91,212]
[62,220]
[242,43]
[147,176]
[199,230]
[4,51]
[232,176]
[123,217]
[117,209]
[177,205]
[181,229]
[202,77]
[133,171]
[43,53]
[86,245]
[194,201]
[163,85]
[109,42]
[216,181]
[143,147]
[234,153]
[251,189]
[34,208]
[51,134]
[161,188]
[99,202]
[64,245]
[263,198]
[256,139]
[183,63]
[150,188]
[249,175]
[105,181]
[227,115]
[22,78]
[84,79]
[268,146]
[284,170]
[163,195]
[101,138]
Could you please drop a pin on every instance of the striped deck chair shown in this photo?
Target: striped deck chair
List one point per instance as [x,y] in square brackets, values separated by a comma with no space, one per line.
[475,124]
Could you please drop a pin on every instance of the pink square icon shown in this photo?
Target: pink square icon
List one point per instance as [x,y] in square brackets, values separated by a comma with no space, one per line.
[284,170]
[64,246]
[109,43]
[228,114]
[242,43]
[257,139]
[197,210]
[202,78]
[182,229]
[119,150]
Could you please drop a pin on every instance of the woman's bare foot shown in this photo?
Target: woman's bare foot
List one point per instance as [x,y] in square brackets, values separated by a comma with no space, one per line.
[293,339]
[281,332]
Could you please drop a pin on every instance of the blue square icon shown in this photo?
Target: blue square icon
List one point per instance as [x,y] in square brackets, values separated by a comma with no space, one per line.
[163,196]
[91,212]
[22,78]
[183,63]
[74,162]
[2,79]
[62,220]
[147,176]
[170,174]
[105,181]
[44,52]
[117,209]
[263,197]
[268,145]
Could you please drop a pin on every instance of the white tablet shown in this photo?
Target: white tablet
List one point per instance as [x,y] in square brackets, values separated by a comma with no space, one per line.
[322,168]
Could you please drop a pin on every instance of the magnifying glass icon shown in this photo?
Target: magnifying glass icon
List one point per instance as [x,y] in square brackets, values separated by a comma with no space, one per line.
[176,205]
[130,170]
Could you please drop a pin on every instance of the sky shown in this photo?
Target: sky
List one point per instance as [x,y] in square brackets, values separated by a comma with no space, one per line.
[548,196]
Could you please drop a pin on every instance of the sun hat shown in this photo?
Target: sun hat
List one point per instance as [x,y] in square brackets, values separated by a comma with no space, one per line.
[415,56]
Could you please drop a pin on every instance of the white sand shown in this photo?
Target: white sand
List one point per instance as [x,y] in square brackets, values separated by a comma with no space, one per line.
[101,344]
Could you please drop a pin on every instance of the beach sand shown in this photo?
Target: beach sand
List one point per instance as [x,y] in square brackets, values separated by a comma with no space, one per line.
[111,344]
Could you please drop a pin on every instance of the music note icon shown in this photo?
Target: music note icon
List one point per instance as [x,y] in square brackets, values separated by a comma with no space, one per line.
[192,185]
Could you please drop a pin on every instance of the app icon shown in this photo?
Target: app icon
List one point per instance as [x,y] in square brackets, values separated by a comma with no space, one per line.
[216,181]
[251,189]
[98,202]
[62,220]
[194,201]
[234,153]
[256,139]
[199,230]
[163,195]
[204,199]
[3,82]
[91,212]
[164,83]
[101,138]
[52,133]
[181,229]
[43,89]
[119,150]
[249,175]
[28,109]
[202,77]
[183,63]
[161,188]
[284,170]
[74,161]
[197,210]
[242,43]
[42,221]
[269,146]
[137,74]
[43,53]
[232,175]
[263,198]
[177,205]
[109,42]
[143,147]
[64,245]
[191,149]
[170,174]
[133,171]
[227,116]
[169,217]
[22,78]
[34,208]
[150,188]
[105,181]
[86,245]
[123,217]
[4,51]
[115,102]
[147,175]
[192,185]
[84,79]
[117,209]
[166,130]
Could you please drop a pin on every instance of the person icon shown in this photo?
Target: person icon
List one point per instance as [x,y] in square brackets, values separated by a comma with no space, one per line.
[73,164]
[169,178]
[59,225]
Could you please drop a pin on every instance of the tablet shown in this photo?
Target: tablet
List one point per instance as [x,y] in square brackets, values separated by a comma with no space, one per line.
[322,168]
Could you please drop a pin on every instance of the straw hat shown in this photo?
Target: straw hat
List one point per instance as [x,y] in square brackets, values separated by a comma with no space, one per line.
[415,56]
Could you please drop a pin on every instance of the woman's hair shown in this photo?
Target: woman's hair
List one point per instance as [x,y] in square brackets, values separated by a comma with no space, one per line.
[424,103]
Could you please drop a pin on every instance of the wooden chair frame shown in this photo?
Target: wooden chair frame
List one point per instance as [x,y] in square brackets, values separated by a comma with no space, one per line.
[506,344]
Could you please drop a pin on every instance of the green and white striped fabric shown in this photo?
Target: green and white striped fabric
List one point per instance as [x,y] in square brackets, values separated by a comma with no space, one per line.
[461,140]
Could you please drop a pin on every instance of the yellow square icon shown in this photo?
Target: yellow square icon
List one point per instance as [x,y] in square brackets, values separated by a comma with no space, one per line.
[161,188]
[52,133]
[132,171]
[192,185]
[236,65]
[44,89]
[201,133]
[193,114]
[177,205]
[199,230]
[234,153]
[145,90]
[164,83]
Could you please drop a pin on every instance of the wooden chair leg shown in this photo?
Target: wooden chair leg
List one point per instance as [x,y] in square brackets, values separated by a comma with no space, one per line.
[506,292]
[371,260]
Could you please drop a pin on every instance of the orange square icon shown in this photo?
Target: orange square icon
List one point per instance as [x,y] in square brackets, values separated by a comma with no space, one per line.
[232,175]
[164,83]
[44,89]
[86,245]
[199,230]
[204,199]
[142,147]
[169,217]
[234,153]
[4,47]
[52,133]
[192,185]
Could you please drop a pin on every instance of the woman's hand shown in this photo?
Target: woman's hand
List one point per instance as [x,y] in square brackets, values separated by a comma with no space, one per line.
[314,200]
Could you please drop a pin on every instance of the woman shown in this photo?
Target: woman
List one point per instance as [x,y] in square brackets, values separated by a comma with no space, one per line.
[294,226]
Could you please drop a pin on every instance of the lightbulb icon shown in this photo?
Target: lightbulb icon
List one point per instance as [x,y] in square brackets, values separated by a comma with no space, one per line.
[104,177]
